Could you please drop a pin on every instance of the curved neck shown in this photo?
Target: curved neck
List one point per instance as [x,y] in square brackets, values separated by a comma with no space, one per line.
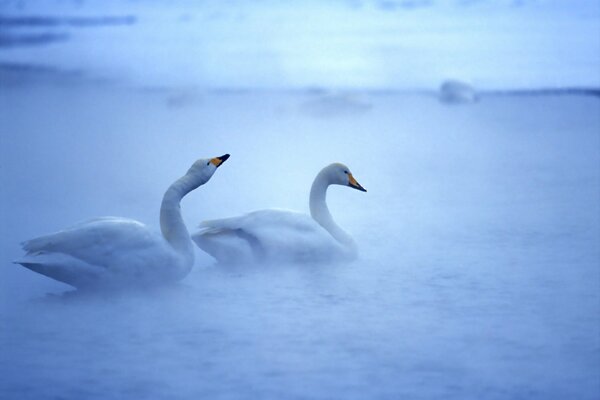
[320,212]
[171,222]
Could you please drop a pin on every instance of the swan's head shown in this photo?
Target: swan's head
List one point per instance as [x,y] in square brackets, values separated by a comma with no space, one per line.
[340,174]
[204,168]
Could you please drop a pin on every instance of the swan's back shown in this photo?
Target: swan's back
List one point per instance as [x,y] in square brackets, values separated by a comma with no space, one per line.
[101,250]
[267,236]
[94,233]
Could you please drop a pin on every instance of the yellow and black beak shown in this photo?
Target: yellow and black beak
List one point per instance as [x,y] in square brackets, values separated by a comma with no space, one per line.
[353,184]
[217,161]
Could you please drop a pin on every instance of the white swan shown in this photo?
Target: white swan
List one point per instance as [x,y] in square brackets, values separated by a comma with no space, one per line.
[281,235]
[113,251]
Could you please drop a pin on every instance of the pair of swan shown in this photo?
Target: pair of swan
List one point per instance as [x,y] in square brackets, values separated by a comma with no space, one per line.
[113,251]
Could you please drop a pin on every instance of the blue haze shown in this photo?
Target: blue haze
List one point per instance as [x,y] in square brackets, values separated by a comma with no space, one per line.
[479,273]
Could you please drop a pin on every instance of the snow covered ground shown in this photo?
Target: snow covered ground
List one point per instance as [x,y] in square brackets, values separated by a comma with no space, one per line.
[479,273]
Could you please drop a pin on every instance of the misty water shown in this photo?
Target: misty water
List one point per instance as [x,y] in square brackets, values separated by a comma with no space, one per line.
[478,273]
[479,266]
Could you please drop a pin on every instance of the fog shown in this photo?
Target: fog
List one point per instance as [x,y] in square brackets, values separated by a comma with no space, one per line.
[478,274]
[368,44]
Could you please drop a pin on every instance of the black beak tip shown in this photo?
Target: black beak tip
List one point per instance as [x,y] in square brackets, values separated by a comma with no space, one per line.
[358,187]
[223,158]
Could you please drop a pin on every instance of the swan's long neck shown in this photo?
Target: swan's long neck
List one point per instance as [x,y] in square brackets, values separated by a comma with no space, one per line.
[320,212]
[171,222]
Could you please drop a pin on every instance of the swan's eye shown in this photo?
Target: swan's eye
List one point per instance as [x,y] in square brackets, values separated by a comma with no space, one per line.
[208,163]
[345,172]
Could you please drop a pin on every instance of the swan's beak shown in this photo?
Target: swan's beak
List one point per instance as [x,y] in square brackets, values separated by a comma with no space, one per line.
[353,184]
[217,161]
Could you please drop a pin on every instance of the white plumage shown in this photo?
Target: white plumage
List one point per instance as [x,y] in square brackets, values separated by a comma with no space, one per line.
[113,251]
[280,235]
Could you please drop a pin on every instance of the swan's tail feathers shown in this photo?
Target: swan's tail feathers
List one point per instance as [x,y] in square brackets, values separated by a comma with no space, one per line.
[207,230]
[42,243]
[205,224]
[61,267]
[223,223]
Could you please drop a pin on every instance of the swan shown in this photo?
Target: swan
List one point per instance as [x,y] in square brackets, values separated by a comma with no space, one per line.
[114,251]
[276,235]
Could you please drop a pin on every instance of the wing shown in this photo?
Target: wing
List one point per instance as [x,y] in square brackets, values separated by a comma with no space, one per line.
[98,242]
[282,219]
[280,235]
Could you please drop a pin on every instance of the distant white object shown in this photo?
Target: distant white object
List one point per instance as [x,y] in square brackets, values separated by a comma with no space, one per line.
[113,251]
[456,92]
[279,235]
[336,105]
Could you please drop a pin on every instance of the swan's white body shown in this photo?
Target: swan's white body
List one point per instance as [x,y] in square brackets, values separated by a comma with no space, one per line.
[283,236]
[113,251]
